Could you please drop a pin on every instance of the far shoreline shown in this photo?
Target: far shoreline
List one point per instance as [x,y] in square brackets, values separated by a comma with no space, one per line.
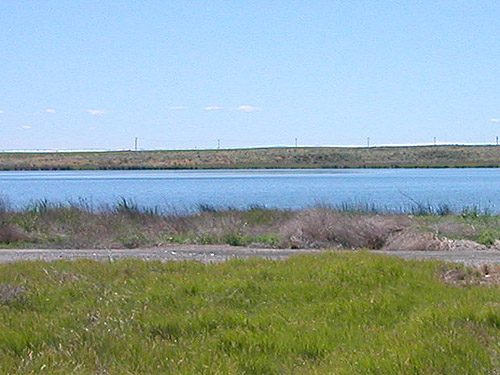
[392,157]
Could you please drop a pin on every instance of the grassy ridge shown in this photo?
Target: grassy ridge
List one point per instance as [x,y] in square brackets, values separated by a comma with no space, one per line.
[315,157]
[329,314]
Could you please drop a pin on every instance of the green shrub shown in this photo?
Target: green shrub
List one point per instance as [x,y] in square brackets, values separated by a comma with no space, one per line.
[207,239]
[486,238]
[235,240]
[133,240]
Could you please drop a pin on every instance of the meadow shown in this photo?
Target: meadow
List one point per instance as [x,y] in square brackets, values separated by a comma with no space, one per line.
[354,313]
[278,157]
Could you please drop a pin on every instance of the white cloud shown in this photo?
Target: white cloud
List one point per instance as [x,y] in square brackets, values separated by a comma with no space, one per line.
[1,112]
[495,120]
[213,108]
[49,110]
[178,108]
[96,112]
[25,127]
[248,108]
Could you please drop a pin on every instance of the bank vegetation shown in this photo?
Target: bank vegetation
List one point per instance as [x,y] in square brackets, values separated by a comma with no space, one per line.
[127,225]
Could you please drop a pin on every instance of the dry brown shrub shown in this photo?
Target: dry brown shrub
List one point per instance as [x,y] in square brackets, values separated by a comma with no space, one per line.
[460,275]
[217,224]
[410,240]
[176,224]
[490,274]
[322,227]
[11,233]
[466,245]
[448,227]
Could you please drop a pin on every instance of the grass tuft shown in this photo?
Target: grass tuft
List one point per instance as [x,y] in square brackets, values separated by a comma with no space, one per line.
[10,293]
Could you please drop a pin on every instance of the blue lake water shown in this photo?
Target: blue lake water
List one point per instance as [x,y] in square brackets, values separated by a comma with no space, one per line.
[184,190]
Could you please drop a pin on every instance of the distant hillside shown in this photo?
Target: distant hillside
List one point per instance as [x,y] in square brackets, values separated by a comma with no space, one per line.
[317,157]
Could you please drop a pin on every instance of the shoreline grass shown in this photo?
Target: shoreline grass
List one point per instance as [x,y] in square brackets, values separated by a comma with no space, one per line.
[126,224]
[333,313]
[442,156]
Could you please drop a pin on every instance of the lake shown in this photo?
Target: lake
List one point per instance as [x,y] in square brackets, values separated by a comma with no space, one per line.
[186,189]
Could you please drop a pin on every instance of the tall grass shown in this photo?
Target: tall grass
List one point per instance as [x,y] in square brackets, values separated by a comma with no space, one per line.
[127,224]
[329,314]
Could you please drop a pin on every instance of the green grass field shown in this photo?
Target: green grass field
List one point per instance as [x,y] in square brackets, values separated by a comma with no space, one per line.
[330,314]
[302,157]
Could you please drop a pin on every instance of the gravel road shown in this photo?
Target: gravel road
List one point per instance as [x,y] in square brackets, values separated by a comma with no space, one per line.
[203,253]
[471,258]
[218,253]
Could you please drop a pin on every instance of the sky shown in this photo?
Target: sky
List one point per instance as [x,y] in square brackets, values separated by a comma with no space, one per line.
[184,74]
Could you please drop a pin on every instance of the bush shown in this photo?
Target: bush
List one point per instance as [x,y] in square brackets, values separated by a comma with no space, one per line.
[411,241]
[11,233]
[134,240]
[236,240]
[486,238]
[324,227]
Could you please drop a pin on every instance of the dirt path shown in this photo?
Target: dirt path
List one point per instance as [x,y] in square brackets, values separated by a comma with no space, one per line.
[218,253]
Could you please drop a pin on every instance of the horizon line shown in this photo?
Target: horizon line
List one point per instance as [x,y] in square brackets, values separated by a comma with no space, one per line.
[62,150]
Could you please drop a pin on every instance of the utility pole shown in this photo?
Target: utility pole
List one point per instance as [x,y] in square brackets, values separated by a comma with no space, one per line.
[434,141]
[295,142]
[497,140]
[218,144]
[368,142]
[135,144]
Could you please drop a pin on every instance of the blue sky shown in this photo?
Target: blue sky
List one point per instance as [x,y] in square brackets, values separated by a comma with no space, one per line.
[182,74]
